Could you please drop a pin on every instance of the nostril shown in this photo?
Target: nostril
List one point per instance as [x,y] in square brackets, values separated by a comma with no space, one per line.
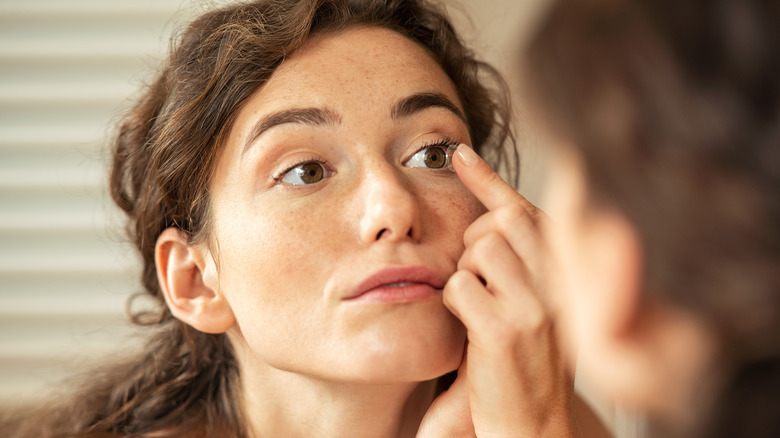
[384,232]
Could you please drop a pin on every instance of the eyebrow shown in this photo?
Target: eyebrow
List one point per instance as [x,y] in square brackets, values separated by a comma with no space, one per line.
[421,101]
[326,116]
[304,116]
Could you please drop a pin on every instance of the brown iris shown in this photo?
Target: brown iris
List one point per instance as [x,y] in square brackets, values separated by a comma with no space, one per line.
[435,158]
[310,173]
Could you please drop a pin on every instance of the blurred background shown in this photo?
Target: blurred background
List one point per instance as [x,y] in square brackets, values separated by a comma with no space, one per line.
[67,71]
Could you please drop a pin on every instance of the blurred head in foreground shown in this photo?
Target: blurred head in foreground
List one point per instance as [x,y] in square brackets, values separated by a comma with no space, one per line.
[664,116]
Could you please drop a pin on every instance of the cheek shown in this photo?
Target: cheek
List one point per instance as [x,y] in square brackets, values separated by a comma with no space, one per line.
[270,258]
[273,267]
[449,213]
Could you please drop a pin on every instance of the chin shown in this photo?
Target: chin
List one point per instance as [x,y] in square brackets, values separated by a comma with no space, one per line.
[412,354]
[381,346]
[408,369]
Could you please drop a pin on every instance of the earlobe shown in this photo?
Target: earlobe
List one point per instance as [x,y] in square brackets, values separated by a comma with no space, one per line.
[187,278]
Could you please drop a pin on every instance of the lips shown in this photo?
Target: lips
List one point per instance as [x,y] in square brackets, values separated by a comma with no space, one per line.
[398,284]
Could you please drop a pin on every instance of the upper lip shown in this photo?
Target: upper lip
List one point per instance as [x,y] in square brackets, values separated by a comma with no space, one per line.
[393,275]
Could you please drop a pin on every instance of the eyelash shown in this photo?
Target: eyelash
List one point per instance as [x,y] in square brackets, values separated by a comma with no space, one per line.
[447,143]
[278,177]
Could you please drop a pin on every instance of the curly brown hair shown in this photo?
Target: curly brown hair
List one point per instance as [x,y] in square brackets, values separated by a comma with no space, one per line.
[185,382]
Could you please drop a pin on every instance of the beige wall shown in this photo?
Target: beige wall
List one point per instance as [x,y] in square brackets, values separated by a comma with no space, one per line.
[496,29]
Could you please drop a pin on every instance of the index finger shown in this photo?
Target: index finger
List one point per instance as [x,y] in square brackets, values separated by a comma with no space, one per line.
[488,186]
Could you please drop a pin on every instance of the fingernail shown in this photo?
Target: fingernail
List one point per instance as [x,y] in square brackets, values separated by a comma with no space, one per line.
[468,155]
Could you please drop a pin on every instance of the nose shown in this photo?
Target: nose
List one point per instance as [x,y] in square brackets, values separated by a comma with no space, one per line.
[390,209]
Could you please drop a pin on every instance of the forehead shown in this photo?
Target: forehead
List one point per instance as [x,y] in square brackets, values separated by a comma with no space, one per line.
[357,63]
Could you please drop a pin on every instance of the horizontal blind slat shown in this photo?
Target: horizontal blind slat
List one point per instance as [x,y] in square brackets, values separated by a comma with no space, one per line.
[67,71]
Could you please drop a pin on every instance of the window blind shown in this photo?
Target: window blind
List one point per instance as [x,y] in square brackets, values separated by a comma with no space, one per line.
[67,70]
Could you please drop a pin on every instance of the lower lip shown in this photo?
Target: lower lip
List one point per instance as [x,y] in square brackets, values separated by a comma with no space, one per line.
[402,294]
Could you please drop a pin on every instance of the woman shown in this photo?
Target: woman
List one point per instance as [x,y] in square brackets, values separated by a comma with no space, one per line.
[665,117]
[288,183]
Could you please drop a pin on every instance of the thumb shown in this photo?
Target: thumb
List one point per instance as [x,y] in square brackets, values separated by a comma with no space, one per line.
[450,414]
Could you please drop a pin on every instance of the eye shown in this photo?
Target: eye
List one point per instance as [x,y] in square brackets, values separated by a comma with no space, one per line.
[310,172]
[432,157]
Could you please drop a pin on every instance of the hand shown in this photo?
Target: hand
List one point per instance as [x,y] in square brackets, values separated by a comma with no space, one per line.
[449,416]
[517,384]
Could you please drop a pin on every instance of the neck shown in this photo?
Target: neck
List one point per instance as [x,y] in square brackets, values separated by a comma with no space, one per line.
[282,403]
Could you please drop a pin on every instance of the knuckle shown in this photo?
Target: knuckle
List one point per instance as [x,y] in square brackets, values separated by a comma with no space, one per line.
[457,285]
[535,212]
[502,333]
[470,235]
[477,227]
[487,245]
[511,331]
[516,210]
[536,321]
[465,261]
[457,281]
[512,217]
[493,178]
[449,296]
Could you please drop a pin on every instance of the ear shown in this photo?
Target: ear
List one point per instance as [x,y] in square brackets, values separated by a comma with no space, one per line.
[188,279]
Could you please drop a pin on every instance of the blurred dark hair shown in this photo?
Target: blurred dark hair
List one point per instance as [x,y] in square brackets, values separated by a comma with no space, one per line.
[674,107]
[186,382]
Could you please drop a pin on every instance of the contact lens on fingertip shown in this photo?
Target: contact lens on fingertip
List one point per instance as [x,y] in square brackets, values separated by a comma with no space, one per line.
[467,154]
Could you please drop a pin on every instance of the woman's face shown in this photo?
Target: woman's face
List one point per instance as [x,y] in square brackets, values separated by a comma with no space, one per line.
[335,224]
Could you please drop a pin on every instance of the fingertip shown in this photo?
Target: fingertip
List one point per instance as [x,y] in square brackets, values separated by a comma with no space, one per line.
[480,178]
[470,168]
[467,155]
